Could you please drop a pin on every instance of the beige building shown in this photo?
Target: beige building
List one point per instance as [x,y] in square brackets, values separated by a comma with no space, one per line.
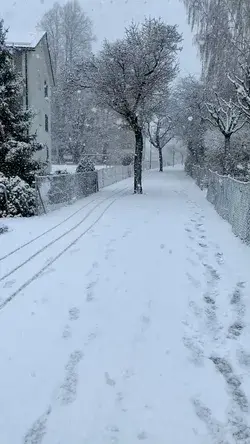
[32,60]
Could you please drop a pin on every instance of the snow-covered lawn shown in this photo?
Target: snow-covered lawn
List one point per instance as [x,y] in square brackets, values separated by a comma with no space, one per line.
[139,331]
[72,168]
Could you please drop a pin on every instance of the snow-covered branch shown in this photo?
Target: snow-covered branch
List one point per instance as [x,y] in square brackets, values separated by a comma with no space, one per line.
[226,116]
[242,87]
[160,131]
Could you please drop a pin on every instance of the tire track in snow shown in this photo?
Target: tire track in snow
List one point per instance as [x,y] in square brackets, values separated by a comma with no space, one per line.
[65,233]
[55,258]
[2,258]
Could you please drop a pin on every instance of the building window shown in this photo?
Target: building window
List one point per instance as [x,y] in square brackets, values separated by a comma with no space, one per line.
[46,125]
[46,89]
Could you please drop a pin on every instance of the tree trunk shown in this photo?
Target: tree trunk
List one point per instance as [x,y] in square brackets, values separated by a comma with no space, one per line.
[160,159]
[138,161]
[173,157]
[226,153]
[104,154]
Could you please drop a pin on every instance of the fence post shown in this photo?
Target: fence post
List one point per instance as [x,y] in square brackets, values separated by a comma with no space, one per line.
[39,195]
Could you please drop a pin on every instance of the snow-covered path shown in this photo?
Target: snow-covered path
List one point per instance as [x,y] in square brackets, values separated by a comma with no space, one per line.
[138,332]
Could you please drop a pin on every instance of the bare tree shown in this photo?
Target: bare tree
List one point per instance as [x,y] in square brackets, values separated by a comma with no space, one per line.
[70,34]
[160,130]
[70,37]
[128,73]
[51,23]
[222,33]
[189,97]
[227,117]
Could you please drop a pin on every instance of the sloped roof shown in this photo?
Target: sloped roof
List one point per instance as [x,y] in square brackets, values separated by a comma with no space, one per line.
[28,40]
[31,42]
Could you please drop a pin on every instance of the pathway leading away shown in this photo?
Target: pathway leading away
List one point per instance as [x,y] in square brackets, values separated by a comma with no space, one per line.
[139,331]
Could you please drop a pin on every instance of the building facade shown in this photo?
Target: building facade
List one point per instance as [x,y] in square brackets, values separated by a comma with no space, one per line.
[32,60]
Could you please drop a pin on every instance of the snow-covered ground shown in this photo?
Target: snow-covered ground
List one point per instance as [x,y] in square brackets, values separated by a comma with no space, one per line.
[132,326]
[72,168]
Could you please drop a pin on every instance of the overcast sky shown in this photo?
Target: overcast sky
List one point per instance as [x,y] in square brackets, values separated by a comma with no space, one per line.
[109,20]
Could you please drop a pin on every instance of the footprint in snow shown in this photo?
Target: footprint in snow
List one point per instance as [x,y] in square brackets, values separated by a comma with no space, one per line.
[74,313]
[38,430]
[109,381]
[196,349]
[213,273]
[90,291]
[128,374]
[192,262]
[126,233]
[142,436]
[119,397]
[66,332]
[209,300]
[202,245]
[68,390]
[94,266]
[198,225]
[244,359]
[145,320]
[236,300]
[235,330]
[233,382]
[113,428]
[193,281]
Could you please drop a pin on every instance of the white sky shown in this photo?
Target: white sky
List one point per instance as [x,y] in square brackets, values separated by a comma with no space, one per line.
[109,20]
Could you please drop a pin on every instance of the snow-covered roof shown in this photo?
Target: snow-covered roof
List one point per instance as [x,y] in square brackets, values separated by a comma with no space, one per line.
[28,40]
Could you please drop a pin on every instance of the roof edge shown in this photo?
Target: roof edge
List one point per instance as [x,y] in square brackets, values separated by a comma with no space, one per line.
[27,45]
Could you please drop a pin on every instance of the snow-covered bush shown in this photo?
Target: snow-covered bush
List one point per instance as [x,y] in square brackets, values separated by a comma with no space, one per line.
[86,165]
[61,187]
[127,159]
[238,161]
[86,179]
[21,198]
[17,159]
